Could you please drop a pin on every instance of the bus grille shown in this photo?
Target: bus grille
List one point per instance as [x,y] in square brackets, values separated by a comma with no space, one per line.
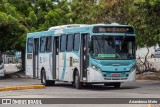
[115,78]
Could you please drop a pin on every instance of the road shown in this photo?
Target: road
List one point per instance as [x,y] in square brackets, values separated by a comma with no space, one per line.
[138,89]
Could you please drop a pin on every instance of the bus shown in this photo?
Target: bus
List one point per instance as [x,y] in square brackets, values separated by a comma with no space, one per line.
[2,70]
[82,55]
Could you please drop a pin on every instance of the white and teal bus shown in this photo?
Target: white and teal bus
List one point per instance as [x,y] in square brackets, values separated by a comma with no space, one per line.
[87,54]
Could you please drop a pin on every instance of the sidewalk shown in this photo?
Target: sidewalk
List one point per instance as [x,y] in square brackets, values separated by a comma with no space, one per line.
[15,80]
[16,83]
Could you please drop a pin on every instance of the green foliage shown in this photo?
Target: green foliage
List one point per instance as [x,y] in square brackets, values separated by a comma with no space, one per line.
[148,23]
[17,17]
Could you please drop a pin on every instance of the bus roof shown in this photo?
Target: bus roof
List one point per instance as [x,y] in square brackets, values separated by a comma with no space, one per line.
[82,25]
[76,28]
[41,33]
[66,26]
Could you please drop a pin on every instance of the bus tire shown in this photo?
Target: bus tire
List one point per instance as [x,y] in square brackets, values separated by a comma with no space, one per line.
[44,81]
[117,85]
[77,82]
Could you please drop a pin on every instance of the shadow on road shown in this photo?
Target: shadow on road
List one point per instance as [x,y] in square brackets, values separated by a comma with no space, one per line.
[95,87]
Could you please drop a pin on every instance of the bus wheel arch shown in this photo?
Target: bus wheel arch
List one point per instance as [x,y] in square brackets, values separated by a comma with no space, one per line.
[42,70]
[44,80]
[74,73]
[76,79]
[43,76]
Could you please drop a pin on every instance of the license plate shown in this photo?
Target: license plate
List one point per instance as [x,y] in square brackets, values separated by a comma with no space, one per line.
[116,75]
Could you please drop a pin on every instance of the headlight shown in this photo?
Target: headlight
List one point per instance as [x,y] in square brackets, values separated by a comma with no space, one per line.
[132,68]
[96,68]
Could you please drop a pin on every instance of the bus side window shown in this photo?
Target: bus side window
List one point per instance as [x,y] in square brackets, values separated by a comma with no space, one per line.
[42,44]
[63,43]
[30,45]
[69,42]
[48,44]
[76,42]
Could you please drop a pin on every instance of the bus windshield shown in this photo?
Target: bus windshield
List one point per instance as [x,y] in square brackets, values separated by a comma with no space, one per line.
[112,47]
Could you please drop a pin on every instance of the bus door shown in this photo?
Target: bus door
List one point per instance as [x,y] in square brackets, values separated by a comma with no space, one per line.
[55,57]
[29,57]
[84,59]
[35,57]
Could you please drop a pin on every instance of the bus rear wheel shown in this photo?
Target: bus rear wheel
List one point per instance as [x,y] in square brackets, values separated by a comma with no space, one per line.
[44,81]
[77,82]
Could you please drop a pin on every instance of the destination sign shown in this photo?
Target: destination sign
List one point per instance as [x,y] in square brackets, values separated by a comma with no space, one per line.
[113,29]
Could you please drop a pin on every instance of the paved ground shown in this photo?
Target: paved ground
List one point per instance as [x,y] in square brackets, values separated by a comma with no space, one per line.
[138,89]
[141,88]
[14,81]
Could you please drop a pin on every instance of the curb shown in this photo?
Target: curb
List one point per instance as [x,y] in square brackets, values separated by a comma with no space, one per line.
[21,87]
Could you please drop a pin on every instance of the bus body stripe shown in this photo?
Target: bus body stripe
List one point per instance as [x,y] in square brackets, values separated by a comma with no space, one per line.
[64,67]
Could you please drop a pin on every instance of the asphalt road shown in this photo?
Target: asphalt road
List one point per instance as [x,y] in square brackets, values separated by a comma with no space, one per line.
[138,89]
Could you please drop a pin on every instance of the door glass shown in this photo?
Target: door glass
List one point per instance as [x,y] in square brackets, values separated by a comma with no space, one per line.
[42,44]
[30,45]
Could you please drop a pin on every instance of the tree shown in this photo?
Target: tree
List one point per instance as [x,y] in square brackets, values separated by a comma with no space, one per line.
[147,24]
[83,11]
[18,17]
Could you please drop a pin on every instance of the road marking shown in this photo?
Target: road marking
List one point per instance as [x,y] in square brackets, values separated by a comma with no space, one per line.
[22,87]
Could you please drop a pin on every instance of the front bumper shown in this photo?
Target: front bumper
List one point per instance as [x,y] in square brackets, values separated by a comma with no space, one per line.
[97,77]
